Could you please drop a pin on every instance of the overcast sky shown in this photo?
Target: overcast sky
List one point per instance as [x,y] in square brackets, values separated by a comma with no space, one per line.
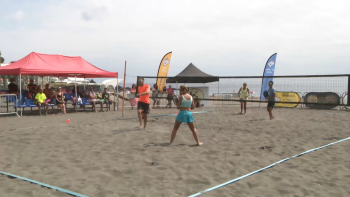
[225,38]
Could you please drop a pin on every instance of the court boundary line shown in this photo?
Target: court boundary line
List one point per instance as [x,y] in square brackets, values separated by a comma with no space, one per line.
[165,115]
[270,166]
[44,185]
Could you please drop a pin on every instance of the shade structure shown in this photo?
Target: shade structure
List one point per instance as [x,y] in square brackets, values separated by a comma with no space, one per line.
[113,82]
[55,65]
[192,74]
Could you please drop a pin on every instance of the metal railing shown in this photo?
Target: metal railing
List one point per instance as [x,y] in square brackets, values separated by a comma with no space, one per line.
[9,104]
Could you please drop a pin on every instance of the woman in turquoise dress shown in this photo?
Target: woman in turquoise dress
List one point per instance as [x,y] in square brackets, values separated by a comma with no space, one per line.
[185,105]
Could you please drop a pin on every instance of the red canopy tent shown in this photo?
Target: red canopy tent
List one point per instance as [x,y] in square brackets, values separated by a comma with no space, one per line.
[55,65]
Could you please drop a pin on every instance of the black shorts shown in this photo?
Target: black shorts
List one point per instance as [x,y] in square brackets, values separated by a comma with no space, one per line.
[143,106]
[270,104]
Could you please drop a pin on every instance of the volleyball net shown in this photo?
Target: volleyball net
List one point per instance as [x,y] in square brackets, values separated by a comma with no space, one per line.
[311,91]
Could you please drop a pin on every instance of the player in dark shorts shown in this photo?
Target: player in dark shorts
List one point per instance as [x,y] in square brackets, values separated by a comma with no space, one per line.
[271,100]
[144,102]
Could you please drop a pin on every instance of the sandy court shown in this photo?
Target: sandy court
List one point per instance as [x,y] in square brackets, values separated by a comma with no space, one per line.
[96,155]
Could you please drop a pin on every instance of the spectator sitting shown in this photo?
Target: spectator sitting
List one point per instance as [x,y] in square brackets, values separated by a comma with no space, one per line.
[13,88]
[60,100]
[108,101]
[99,96]
[93,100]
[48,92]
[32,89]
[40,100]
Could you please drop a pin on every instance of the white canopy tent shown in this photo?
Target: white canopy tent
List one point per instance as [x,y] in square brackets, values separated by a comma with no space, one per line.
[112,82]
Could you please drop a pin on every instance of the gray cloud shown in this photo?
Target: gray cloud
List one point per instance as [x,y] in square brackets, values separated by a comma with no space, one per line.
[95,13]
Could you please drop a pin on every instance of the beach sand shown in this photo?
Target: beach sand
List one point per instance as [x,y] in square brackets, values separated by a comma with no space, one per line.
[100,155]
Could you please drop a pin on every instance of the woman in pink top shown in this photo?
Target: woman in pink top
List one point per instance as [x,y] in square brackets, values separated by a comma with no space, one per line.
[170,92]
[133,101]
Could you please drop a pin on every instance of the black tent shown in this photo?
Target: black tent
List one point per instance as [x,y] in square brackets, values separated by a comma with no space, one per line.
[192,74]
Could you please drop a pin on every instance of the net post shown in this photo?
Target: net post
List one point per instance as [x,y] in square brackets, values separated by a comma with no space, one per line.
[348,90]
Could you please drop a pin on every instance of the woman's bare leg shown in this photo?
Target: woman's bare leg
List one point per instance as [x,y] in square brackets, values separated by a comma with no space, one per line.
[173,134]
[270,113]
[63,109]
[169,103]
[39,106]
[241,107]
[145,120]
[60,106]
[93,106]
[245,107]
[101,105]
[194,132]
[139,115]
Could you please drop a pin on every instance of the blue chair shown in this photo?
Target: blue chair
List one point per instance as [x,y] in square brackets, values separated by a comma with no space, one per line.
[30,103]
[85,102]
[20,104]
[68,96]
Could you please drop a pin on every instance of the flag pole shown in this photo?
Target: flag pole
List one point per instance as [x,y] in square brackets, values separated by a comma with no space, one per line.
[124,90]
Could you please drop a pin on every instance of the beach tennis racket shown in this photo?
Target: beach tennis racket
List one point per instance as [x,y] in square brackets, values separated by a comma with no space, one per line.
[266,94]
[175,99]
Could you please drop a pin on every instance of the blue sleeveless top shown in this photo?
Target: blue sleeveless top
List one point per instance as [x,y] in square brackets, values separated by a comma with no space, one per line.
[186,103]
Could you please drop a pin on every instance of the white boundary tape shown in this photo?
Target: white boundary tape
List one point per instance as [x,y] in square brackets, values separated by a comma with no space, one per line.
[272,165]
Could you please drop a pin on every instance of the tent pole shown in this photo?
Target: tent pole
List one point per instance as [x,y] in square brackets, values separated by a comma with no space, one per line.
[76,98]
[20,92]
[84,83]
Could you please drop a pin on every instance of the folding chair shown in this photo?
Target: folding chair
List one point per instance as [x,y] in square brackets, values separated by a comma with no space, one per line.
[30,103]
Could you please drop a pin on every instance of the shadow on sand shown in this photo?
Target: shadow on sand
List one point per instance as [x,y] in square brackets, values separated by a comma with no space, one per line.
[166,144]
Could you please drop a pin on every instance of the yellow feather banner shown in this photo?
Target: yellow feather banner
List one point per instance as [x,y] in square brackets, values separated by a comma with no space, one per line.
[163,71]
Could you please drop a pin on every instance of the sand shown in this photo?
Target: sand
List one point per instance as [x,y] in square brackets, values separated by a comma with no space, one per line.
[97,155]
